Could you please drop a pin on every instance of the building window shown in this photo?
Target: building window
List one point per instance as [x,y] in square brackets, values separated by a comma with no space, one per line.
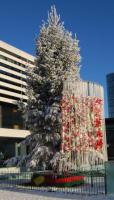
[27,149]
[18,150]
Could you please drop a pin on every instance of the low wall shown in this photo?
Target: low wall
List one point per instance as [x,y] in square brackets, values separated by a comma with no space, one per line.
[9,170]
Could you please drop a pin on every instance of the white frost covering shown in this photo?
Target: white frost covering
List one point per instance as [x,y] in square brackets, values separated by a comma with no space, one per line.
[12,161]
[57,57]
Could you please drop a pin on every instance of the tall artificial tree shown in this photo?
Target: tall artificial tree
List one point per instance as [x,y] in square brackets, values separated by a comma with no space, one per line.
[57,58]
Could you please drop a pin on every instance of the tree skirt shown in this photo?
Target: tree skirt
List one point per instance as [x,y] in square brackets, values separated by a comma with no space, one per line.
[57,181]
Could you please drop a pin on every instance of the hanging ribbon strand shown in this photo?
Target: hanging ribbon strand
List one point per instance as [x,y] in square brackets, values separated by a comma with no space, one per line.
[82,132]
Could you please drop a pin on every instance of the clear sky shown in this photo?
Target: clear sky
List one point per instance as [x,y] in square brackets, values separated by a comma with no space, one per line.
[91,20]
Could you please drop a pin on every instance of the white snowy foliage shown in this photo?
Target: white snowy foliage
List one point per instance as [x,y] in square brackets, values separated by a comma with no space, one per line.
[12,162]
[57,58]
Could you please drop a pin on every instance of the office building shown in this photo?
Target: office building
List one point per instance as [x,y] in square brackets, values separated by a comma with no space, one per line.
[110,121]
[110,137]
[13,63]
[110,93]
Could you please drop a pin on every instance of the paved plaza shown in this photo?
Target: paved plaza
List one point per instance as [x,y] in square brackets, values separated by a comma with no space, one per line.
[34,195]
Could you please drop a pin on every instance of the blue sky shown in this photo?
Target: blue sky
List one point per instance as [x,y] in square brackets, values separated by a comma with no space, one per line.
[91,20]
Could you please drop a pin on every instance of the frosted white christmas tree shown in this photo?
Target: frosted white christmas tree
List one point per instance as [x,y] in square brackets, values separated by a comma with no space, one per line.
[61,118]
[57,57]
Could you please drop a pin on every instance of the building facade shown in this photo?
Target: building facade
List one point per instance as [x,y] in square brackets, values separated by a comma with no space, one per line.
[13,63]
[110,92]
[110,137]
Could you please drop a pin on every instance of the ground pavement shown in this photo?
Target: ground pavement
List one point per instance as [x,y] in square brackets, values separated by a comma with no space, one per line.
[35,195]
